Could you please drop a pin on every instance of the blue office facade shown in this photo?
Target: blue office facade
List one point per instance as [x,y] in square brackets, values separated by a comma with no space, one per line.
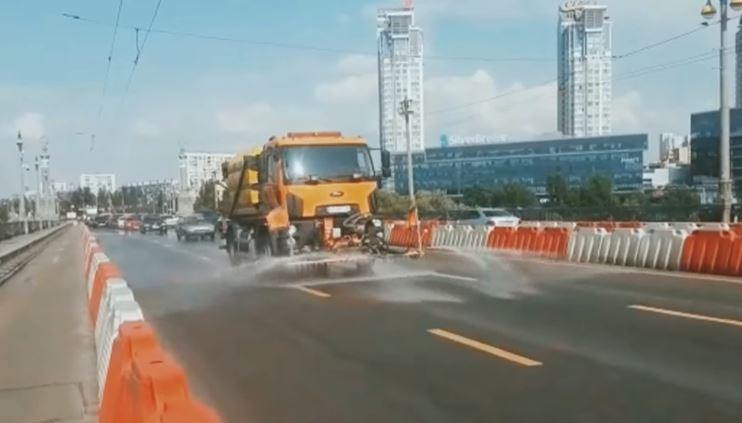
[456,169]
[705,131]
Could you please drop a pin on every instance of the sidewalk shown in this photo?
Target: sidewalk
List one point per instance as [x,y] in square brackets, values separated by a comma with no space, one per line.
[9,245]
[47,353]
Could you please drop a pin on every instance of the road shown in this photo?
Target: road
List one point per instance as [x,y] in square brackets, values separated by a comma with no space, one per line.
[465,338]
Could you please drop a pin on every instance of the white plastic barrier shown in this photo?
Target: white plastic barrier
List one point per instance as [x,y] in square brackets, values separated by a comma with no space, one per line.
[89,244]
[114,290]
[388,231]
[621,246]
[479,236]
[442,235]
[461,235]
[531,224]
[703,226]
[121,308]
[96,261]
[585,244]
[661,249]
[656,225]
[566,225]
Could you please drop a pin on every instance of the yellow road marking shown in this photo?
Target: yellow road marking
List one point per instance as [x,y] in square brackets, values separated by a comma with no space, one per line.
[314,292]
[489,349]
[687,315]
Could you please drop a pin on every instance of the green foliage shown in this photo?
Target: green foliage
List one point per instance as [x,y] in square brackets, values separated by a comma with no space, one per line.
[430,205]
[510,195]
[206,199]
[558,190]
[681,198]
[4,211]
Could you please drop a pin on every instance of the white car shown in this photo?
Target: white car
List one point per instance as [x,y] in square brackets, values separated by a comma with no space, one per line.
[171,221]
[484,217]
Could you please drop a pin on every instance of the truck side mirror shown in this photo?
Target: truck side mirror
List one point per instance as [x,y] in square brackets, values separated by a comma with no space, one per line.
[386,164]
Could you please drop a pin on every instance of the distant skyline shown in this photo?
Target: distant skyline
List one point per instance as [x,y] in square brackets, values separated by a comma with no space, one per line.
[227,95]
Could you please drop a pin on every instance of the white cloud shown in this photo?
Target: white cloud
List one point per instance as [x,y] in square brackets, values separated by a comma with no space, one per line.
[146,129]
[354,89]
[30,124]
[245,119]
[356,63]
[477,104]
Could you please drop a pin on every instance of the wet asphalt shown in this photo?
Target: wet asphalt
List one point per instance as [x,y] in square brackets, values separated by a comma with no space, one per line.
[448,338]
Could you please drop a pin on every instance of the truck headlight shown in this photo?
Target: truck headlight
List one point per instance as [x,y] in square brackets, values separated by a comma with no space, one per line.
[377,222]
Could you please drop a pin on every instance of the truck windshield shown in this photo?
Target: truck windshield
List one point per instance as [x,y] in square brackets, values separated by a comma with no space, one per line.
[326,163]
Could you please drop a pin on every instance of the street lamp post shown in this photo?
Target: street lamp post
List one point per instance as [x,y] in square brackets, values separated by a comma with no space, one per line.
[725,180]
[22,198]
[406,111]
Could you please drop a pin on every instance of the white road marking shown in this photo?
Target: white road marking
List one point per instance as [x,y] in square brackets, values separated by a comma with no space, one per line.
[457,277]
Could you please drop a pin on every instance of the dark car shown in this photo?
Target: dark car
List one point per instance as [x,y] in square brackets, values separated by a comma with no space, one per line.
[195,227]
[153,224]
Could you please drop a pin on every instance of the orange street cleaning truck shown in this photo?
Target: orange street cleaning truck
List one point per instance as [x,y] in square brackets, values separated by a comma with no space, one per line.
[302,193]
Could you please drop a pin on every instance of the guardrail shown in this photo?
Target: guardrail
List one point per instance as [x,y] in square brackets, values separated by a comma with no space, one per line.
[12,261]
[138,381]
[10,229]
[710,248]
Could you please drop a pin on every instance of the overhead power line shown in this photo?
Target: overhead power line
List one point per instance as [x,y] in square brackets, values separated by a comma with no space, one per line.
[140,49]
[636,73]
[306,47]
[107,74]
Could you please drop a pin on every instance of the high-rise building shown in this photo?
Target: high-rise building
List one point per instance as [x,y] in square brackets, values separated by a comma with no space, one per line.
[97,182]
[670,144]
[738,66]
[197,168]
[400,61]
[584,69]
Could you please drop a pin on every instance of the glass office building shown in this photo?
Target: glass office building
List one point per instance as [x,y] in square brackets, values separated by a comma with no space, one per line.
[705,135]
[455,169]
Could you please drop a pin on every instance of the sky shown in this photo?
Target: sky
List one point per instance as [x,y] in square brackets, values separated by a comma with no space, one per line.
[232,93]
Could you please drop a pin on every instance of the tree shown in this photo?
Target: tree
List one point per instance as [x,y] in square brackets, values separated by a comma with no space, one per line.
[433,204]
[558,190]
[517,195]
[4,211]
[390,203]
[206,197]
[117,198]
[88,198]
[597,192]
[478,197]
[103,198]
[681,198]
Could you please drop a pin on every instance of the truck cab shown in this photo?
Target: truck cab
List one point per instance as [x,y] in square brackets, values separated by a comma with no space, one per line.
[306,191]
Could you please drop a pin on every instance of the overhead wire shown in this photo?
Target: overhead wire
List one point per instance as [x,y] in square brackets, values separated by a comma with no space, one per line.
[306,47]
[107,74]
[140,49]
[690,60]
[618,57]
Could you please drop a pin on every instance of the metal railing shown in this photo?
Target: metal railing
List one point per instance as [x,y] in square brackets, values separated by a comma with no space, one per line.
[11,229]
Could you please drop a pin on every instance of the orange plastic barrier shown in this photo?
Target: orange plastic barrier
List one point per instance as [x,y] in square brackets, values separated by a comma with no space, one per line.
[403,235]
[715,252]
[526,239]
[134,339]
[144,384]
[554,242]
[501,238]
[106,271]
[89,259]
